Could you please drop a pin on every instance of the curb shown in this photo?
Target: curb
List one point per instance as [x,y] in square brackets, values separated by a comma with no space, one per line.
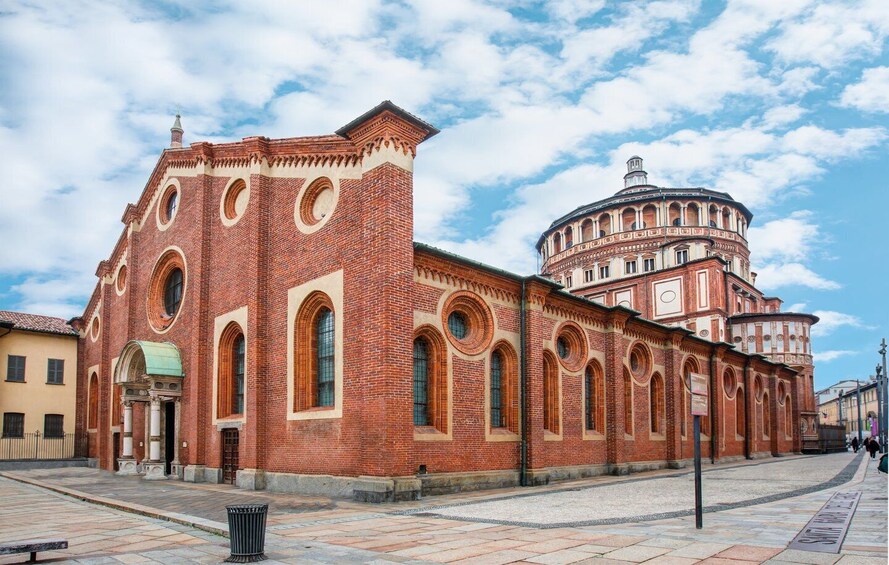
[208,526]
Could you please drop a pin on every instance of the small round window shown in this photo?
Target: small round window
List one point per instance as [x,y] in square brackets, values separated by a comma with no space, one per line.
[234,202]
[571,346]
[317,202]
[469,322]
[121,279]
[168,206]
[457,325]
[166,290]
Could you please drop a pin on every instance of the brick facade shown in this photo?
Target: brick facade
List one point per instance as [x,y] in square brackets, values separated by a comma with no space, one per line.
[257,261]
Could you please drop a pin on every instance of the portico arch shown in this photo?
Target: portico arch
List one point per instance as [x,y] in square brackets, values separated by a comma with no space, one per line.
[149,372]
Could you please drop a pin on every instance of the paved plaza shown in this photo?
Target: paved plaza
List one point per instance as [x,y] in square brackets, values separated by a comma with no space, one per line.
[755,510]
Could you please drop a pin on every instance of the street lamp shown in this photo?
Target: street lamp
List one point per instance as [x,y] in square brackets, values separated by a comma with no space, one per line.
[880,427]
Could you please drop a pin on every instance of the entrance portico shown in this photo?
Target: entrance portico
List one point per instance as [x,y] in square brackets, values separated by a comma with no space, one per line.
[151,373]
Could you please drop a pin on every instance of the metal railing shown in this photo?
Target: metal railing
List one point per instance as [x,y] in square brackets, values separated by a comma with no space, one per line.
[32,446]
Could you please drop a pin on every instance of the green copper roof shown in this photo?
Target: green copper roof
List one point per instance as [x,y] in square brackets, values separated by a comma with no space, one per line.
[161,358]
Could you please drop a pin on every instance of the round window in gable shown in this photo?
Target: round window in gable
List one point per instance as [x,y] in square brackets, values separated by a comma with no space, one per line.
[121,284]
[571,346]
[169,204]
[234,202]
[317,202]
[469,322]
[166,290]
[95,328]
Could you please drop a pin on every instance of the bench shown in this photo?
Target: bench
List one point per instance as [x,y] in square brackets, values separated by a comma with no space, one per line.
[32,546]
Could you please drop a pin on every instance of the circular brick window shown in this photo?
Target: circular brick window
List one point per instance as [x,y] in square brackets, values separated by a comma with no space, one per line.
[782,392]
[121,284]
[166,290]
[234,202]
[168,206]
[316,204]
[95,328]
[640,363]
[469,322]
[571,346]
[729,383]
[758,388]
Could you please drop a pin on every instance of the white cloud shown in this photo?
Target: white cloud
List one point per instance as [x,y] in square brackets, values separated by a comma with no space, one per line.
[830,321]
[773,276]
[782,116]
[871,94]
[833,33]
[795,307]
[787,239]
[826,356]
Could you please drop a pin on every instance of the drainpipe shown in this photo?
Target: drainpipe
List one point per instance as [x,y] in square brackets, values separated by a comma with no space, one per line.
[747,426]
[523,395]
[7,326]
[714,384]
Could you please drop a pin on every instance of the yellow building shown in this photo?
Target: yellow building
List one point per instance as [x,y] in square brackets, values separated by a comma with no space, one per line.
[38,386]
[839,406]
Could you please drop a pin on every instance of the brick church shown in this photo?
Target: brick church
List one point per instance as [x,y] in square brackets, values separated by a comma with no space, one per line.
[266,319]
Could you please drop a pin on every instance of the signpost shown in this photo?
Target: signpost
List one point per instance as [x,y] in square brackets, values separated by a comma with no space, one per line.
[699,407]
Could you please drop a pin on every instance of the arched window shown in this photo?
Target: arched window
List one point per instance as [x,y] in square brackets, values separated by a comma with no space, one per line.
[656,404]
[430,379]
[740,413]
[788,417]
[604,225]
[173,292]
[325,350]
[421,383]
[628,219]
[569,237]
[691,215]
[594,399]
[628,403]
[231,366]
[586,230]
[766,417]
[550,393]
[675,214]
[496,390]
[557,243]
[93,414]
[315,344]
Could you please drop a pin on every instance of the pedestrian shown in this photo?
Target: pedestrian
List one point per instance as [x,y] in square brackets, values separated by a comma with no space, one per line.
[855,444]
[873,447]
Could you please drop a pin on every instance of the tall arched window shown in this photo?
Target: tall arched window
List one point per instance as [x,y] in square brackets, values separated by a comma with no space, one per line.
[496,391]
[238,390]
[766,417]
[740,413]
[656,404]
[594,399]
[430,380]
[231,363]
[325,354]
[550,393]
[421,383]
[93,414]
[788,417]
[628,403]
[315,344]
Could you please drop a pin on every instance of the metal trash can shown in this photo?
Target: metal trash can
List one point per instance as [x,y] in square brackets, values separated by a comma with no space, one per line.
[246,526]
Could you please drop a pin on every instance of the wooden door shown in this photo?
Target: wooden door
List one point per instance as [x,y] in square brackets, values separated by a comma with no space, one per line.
[229,456]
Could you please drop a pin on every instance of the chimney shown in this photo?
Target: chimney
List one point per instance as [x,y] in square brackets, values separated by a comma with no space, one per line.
[176,134]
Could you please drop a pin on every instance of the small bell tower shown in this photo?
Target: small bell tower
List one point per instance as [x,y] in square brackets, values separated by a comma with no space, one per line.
[635,176]
[176,134]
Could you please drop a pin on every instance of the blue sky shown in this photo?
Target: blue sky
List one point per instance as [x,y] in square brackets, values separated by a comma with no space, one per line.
[784,105]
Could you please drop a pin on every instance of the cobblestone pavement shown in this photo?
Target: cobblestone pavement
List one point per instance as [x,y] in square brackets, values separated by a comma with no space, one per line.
[320,530]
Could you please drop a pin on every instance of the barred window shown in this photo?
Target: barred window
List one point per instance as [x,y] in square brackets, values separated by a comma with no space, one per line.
[421,383]
[325,352]
[53,425]
[173,292]
[589,405]
[238,358]
[457,325]
[15,368]
[55,371]
[13,424]
[496,404]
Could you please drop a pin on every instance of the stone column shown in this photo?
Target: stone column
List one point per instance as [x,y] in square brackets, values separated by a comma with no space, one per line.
[682,215]
[154,468]
[126,464]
